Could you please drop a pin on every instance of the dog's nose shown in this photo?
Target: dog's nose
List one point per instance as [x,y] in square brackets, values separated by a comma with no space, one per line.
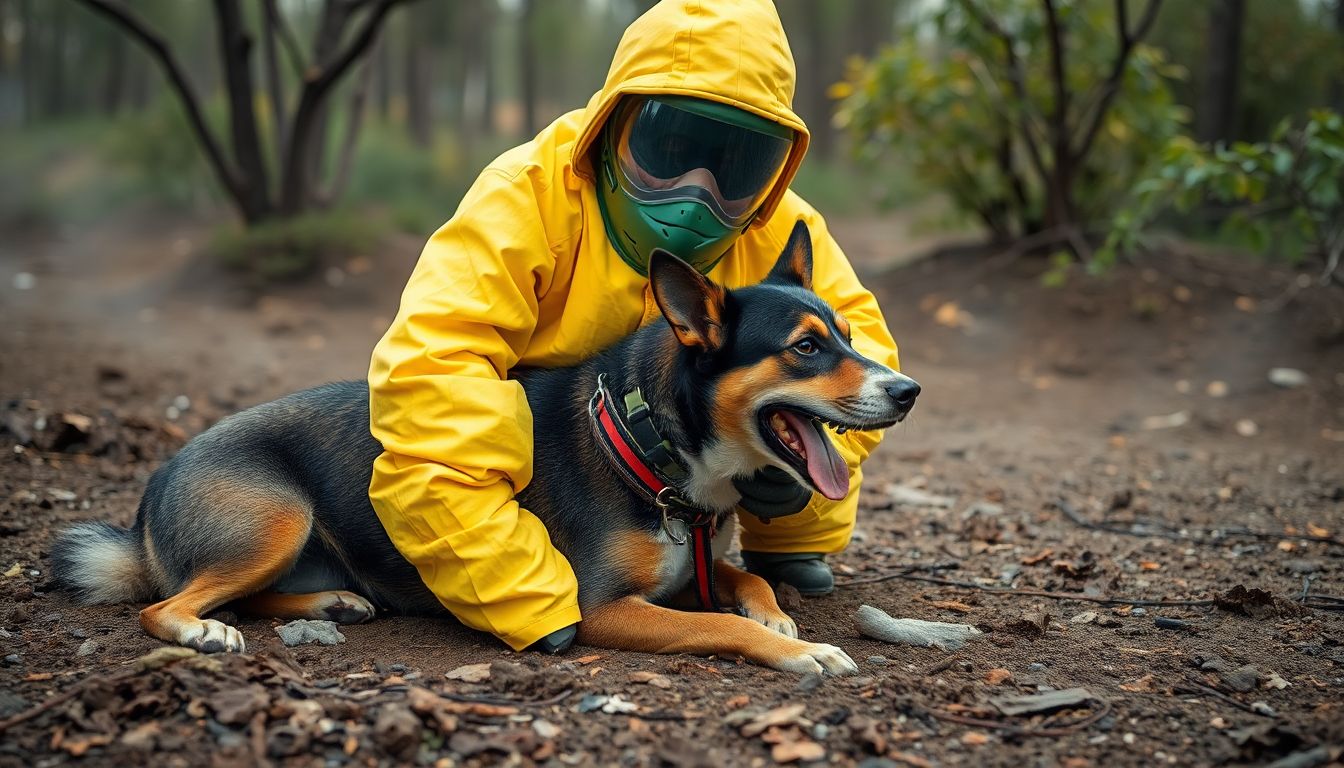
[903,391]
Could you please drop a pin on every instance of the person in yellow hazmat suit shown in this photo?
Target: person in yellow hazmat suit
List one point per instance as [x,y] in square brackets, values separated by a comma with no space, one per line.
[689,146]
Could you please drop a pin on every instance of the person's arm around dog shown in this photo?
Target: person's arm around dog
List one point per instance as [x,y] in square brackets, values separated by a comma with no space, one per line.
[456,433]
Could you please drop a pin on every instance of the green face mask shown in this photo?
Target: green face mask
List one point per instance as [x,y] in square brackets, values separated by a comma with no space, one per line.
[686,175]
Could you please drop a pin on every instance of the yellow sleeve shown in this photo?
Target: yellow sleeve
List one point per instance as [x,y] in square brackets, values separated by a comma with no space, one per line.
[456,433]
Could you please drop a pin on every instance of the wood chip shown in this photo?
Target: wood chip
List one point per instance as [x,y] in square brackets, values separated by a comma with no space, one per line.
[588,659]
[1042,702]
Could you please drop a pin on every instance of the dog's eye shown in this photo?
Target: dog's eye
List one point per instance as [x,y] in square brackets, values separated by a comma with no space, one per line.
[806,346]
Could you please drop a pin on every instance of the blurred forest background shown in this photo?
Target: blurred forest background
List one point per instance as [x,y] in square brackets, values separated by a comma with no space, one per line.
[1064,127]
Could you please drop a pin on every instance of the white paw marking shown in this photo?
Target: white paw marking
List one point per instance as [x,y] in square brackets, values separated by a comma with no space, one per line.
[819,658]
[210,636]
[777,621]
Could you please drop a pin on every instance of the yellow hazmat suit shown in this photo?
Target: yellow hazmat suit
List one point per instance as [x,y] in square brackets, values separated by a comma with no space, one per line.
[523,274]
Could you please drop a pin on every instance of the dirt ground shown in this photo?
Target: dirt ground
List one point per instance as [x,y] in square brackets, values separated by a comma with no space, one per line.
[1139,402]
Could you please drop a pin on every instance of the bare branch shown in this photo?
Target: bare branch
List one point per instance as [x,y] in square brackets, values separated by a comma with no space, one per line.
[1017,79]
[124,18]
[355,121]
[317,84]
[1111,87]
[276,21]
[274,84]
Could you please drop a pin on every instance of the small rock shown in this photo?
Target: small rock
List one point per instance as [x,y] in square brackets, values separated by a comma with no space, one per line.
[1036,666]
[87,648]
[1247,428]
[820,731]
[11,703]
[651,678]
[1162,622]
[1241,679]
[1261,708]
[1139,611]
[878,660]
[1288,378]
[1086,617]
[301,631]
[470,673]
[1275,682]
[876,624]
[24,281]
[1302,567]
[78,633]
[1216,389]
[789,598]
[810,682]
[545,728]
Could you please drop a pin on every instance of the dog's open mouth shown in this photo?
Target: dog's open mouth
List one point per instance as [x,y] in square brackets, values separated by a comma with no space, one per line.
[801,440]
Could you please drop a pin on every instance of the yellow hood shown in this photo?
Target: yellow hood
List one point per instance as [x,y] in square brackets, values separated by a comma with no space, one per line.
[729,51]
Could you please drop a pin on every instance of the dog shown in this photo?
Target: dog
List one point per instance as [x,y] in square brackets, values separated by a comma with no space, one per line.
[268,510]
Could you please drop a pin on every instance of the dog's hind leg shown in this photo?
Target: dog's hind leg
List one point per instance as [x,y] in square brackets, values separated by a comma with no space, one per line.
[339,606]
[754,596]
[634,624]
[272,549]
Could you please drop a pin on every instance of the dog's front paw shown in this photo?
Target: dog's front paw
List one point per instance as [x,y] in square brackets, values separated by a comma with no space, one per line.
[777,620]
[345,608]
[818,658]
[210,636]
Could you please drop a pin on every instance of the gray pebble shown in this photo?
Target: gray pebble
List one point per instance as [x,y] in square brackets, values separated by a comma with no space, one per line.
[1162,622]
[78,634]
[1242,679]
[13,659]
[1261,708]
[1036,666]
[820,731]
[301,631]
[1139,611]
[878,660]
[810,682]
[87,648]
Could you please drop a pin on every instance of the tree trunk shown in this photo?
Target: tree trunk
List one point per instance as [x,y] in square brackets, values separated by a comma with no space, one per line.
[330,30]
[236,52]
[487,42]
[28,61]
[419,115]
[1336,99]
[382,63]
[527,66]
[114,84]
[871,23]
[1217,110]
[821,73]
[274,85]
[53,90]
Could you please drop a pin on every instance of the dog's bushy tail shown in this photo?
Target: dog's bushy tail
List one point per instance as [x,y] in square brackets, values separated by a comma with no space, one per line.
[102,564]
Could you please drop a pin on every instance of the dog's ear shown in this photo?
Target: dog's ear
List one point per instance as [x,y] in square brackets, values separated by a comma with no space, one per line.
[691,303]
[795,263]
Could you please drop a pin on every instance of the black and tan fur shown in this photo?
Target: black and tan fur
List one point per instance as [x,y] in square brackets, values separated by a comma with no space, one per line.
[268,510]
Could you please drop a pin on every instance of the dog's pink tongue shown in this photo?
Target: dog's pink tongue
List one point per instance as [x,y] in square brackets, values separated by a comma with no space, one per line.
[828,471]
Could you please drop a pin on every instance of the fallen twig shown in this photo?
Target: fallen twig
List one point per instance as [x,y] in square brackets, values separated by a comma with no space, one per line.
[1043,593]
[61,698]
[1201,688]
[904,569]
[506,702]
[1205,535]
[1014,729]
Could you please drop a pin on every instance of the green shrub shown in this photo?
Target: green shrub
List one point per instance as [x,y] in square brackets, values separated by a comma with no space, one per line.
[1286,195]
[288,249]
[947,103]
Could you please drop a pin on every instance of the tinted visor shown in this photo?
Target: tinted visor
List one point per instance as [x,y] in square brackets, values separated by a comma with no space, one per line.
[669,153]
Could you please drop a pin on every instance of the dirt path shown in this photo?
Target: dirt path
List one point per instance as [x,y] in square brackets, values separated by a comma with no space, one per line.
[1032,398]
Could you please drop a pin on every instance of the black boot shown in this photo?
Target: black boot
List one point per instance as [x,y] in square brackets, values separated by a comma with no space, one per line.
[557,641]
[806,572]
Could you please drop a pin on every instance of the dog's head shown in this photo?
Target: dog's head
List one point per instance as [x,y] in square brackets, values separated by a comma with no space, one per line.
[775,366]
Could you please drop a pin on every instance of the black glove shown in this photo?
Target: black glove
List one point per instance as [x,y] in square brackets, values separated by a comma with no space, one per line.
[770,493]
